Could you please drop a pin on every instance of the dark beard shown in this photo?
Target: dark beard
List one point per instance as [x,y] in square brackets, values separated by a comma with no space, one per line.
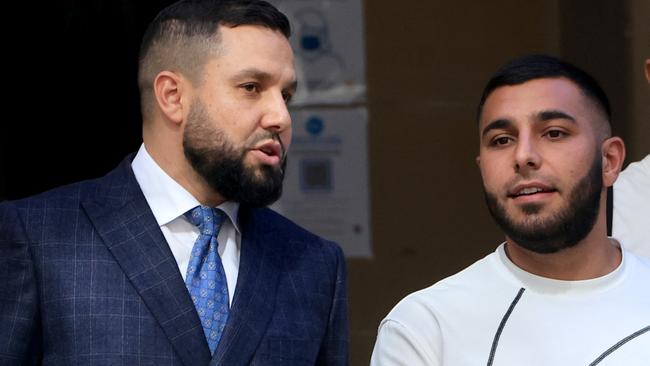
[563,229]
[217,161]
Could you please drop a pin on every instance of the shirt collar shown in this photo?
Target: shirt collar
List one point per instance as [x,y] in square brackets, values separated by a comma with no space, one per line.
[549,285]
[166,198]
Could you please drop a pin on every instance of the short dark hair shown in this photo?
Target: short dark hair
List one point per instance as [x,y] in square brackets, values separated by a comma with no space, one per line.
[185,34]
[523,69]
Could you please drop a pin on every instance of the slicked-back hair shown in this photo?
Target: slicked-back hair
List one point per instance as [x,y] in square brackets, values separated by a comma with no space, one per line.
[521,70]
[184,36]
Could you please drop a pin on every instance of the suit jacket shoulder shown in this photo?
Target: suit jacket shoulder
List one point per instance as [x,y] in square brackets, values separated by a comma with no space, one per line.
[90,275]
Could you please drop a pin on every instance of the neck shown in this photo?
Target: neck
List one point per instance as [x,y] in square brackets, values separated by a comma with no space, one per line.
[594,256]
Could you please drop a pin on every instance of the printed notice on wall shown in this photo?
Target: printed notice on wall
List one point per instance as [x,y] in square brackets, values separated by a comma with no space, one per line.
[326,186]
[328,41]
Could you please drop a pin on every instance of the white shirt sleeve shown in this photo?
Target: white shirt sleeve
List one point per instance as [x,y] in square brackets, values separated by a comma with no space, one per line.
[397,345]
[631,221]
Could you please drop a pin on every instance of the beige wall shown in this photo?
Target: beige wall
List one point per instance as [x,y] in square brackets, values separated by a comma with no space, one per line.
[427,63]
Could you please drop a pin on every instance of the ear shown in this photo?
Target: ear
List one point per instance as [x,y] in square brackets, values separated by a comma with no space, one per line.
[613,155]
[168,89]
[478,161]
[647,70]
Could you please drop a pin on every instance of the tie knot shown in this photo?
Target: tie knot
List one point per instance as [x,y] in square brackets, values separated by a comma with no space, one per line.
[207,219]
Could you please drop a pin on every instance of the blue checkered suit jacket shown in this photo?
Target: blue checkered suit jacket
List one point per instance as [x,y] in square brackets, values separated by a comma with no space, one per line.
[86,277]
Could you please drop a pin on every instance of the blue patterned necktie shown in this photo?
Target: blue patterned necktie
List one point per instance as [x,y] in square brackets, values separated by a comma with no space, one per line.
[206,279]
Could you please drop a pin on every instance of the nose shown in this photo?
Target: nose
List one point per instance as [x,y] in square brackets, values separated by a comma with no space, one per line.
[276,116]
[527,156]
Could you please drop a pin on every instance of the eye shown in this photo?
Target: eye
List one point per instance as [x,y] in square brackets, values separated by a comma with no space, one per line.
[501,141]
[555,134]
[287,96]
[250,87]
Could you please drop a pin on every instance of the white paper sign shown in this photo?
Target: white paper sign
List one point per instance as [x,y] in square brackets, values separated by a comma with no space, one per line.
[326,186]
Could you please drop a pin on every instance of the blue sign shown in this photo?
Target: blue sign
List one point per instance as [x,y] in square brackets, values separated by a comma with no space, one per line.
[314,125]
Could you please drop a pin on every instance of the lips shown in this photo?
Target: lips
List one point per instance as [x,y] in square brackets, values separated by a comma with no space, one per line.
[268,153]
[270,148]
[530,189]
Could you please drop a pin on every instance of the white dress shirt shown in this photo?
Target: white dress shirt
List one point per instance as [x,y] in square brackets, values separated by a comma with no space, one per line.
[169,201]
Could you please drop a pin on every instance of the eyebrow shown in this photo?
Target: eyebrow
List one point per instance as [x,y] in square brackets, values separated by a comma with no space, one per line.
[542,116]
[498,124]
[553,114]
[252,73]
[292,86]
[261,76]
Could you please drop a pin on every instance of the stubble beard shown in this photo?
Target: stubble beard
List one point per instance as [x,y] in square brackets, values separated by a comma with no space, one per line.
[560,230]
[223,166]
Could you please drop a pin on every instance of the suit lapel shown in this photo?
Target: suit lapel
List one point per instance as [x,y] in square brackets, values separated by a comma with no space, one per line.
[127,226]
[253,304]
